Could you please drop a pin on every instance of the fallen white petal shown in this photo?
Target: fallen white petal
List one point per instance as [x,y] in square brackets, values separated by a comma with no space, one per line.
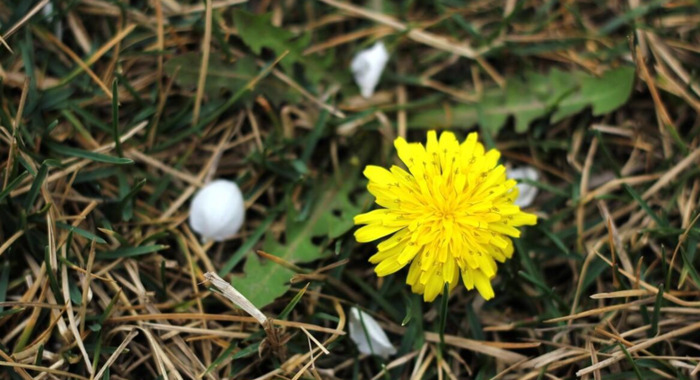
[217,211]
[526,192]
[380,342]
[367,67]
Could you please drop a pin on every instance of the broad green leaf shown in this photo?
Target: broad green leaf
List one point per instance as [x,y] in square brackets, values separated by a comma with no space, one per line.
[604,94]
[558,93]
[224,75]
[331,216]
[257,31]
[220,74]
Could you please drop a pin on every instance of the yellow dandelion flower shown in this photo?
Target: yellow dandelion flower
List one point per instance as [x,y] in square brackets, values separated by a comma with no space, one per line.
[452,212]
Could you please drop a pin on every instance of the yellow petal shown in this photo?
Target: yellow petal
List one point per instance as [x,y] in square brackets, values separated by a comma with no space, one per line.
[524,219]
[409,252]
[392,241]
[433,287]
[373,232]
[378,175]
[483,285]
[504,229]
[413,272]
[468,278]
[384,255]
[374,216]
[388,267]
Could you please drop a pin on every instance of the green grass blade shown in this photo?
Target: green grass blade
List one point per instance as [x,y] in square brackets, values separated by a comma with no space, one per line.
[129,252]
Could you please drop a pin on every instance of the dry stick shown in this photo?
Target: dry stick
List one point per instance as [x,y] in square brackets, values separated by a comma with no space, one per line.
[202,174]
[194,272]
[209,317]
[116,353]
[236,297]
[476,346]
[423,37]
[4,43]
[617,242]
[652,289]
[616,183]
[73,326]
[375,31]
[401,115]
[659,106]
[136,155]
[672,174]
[241,301]
[197,330]
[670,58]
[24,19]
[619,355]
[106,47]
[599,310]
[160,44]
[681,240]
[78,61]
[206,49]
[80,163]
[140,290]
[199,8]
[41,370]
[15,126]
[7,243]
[79,33]
[293,84]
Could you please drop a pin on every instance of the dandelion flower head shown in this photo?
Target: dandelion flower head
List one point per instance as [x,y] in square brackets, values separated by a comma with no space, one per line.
[451,213]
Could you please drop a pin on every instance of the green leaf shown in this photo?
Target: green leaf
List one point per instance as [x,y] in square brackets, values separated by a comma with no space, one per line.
[605,94]
[36,186]
[558,93]
[226,75]
[331,217]
[257,31]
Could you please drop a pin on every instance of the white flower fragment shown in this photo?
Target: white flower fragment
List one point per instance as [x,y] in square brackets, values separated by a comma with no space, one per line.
[526,192]
[381,345]
[217,211]
[367,67]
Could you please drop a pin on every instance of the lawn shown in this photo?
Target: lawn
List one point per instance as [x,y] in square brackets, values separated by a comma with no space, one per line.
[114,114]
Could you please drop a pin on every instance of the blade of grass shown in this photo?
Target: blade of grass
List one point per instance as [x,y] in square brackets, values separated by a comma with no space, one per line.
[631,360]
[129,252]
[86,234]
[290,306]
[80,153]
[115,118]
[250,242]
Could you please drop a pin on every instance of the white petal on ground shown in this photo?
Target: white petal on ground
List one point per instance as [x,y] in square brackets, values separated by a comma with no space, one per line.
[380,342]
[217,211]
[367,67]
[527,192]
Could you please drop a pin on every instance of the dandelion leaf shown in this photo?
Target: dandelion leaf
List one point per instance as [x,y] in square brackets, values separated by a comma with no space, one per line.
[330,217]
[226,75]
[605,93]
[258,32]
[557,94]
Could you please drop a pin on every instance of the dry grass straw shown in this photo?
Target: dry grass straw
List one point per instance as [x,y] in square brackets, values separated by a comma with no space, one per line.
[607,270]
